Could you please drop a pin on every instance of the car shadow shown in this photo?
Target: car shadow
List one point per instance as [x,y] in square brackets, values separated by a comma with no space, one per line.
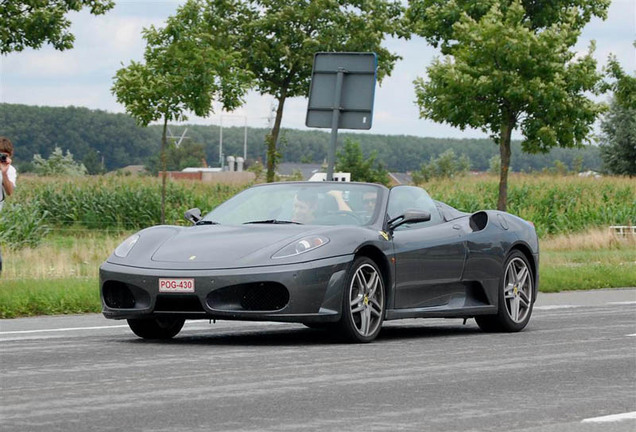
[295,336]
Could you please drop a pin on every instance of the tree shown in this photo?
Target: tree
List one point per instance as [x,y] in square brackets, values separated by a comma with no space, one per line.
[184,70]
[31,23]
[93,163]
[362,169]
[494,165]
[508,66]
[280,39]
[58,164]
[620,83]
[618,140]
[188,154]
[446,165]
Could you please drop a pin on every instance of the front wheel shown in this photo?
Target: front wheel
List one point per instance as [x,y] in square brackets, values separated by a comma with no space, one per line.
[156,328]
[515,297]
[363,302]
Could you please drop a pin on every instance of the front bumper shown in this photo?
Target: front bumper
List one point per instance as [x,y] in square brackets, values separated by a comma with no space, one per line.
[305,292]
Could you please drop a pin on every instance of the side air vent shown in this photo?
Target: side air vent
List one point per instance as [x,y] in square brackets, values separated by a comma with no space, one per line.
[478,221]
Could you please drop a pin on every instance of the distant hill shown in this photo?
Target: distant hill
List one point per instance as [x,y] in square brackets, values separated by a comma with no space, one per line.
[94,134]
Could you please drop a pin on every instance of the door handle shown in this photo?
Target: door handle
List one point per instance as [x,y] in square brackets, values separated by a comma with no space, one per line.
[456,227]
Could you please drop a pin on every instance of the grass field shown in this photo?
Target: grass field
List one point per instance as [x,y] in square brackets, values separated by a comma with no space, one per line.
[61,275]
[592,260]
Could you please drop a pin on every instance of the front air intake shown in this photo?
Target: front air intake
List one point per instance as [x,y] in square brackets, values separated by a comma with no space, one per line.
[117,295]
[256,297]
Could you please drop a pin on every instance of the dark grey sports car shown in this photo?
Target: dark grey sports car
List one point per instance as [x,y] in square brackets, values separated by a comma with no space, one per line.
[342,256]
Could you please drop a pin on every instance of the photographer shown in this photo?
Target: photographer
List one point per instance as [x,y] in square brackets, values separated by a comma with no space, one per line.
[9,174]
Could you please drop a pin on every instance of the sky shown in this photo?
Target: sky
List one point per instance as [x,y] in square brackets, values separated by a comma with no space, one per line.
[83,75]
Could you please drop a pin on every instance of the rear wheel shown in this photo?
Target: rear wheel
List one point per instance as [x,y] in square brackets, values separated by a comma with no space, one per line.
[515,297]
[363,302]
[156,328]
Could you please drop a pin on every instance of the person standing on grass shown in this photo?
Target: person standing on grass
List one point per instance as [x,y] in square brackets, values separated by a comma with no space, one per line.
[8,172]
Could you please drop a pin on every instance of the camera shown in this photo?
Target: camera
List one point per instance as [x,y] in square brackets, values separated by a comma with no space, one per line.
[3,157]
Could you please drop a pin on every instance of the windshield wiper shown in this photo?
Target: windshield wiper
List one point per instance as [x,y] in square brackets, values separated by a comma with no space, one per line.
[272,221]
[206,222]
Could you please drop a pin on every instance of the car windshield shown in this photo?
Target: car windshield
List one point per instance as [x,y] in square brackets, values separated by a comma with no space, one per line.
[301,203]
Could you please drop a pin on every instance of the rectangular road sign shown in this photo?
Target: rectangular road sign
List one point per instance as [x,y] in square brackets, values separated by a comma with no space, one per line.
[355,74]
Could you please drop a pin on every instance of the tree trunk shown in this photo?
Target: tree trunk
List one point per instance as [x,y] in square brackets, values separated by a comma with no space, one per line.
[272,138]
[164,164]
[504,153]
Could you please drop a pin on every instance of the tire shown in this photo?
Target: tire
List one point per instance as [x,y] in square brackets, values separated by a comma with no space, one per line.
[515,300]
[363,302]
[156,328]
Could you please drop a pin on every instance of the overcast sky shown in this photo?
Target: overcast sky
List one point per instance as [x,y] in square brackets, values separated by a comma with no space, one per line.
[83,76]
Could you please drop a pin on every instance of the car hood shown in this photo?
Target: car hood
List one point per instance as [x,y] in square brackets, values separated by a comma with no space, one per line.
[212,247]
[225,245]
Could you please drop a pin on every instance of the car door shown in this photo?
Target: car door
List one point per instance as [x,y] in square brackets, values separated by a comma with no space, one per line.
[429,256]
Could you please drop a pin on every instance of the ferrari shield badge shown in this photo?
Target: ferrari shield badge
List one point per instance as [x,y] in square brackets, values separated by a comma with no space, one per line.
[384,235]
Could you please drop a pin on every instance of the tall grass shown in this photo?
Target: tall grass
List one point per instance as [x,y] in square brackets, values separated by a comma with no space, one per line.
[556,205]
[23,224]
[118,202]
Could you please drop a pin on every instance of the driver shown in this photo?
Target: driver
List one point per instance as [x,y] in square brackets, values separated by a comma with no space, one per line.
[305,206]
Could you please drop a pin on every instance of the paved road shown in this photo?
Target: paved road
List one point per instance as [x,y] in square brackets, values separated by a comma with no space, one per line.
[573,369]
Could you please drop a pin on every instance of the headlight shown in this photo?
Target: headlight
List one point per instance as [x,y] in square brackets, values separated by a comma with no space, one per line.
[124,249]
[301,246]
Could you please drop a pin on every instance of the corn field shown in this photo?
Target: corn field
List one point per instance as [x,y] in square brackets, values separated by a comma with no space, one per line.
[40,205]
[556,205]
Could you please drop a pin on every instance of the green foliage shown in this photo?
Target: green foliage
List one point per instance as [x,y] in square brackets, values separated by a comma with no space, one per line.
[620,83]
[258,170]
[494,165]
[58,164]
[434,19]
[49,297]
[183,70]
[502,72]
[555,205]
[587,269]
[115,202]
[120,142]
[618,141]
[188,154]
[279,40]
[446,165]
[32,23]
[94,163]
[116,137]
[23,224]
[507,66]
[557,168]
[363,169]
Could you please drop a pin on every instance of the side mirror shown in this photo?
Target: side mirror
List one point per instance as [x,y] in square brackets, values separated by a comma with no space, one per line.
[193,215]
[409,216]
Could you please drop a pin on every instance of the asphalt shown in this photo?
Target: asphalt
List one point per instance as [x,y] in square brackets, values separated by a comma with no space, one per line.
[572,369]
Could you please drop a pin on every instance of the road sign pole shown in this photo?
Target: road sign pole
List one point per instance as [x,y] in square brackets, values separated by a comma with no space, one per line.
[335,120]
